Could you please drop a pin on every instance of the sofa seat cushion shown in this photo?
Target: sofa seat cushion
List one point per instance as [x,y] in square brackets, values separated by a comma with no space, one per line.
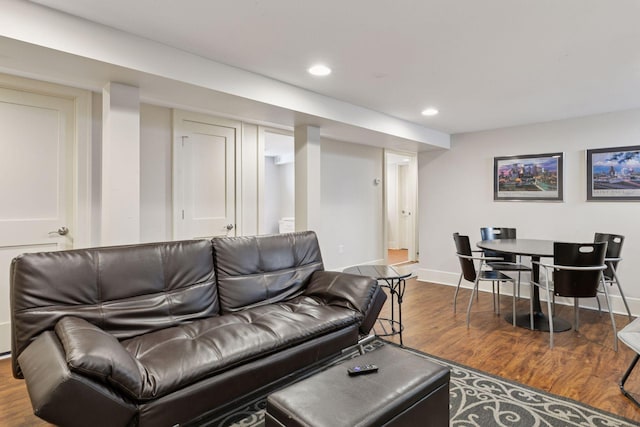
[176,357]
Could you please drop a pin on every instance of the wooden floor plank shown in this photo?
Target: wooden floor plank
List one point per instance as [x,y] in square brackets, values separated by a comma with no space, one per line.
[581,366]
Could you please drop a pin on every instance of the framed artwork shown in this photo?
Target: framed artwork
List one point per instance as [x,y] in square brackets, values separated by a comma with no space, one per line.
[535,177]
[613,173]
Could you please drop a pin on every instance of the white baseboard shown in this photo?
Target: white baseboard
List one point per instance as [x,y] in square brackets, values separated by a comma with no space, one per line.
[5,337]
[451,279]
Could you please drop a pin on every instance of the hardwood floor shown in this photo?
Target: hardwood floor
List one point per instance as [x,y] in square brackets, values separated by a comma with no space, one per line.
[582,366]
[397,256]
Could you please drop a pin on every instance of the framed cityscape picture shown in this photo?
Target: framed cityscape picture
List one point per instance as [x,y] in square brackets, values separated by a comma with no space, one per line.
[535,177]
[613,174]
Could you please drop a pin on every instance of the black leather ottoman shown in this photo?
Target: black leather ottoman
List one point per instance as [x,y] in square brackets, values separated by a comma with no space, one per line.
[407,390]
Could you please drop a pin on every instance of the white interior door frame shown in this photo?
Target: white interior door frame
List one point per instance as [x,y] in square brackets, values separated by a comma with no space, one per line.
[411,192]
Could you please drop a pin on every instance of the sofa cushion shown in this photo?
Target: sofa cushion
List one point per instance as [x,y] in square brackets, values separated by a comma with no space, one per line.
[176,357]
[259,270]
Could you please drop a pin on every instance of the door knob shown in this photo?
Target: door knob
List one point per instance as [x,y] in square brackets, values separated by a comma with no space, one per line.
[229,227]
[62,231]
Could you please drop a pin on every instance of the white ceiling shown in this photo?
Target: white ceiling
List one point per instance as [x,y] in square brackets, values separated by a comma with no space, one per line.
[484,64]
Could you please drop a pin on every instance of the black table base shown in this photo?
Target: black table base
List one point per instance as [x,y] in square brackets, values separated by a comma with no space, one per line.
[389,327]
[396,289]
[540,322]
[394,281]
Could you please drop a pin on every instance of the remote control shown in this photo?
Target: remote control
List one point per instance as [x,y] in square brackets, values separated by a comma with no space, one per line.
[362,369]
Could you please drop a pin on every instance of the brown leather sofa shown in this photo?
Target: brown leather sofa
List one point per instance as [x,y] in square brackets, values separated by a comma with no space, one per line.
[159,334]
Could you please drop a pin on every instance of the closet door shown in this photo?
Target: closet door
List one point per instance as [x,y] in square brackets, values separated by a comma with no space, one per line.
[204,177]
[36,156]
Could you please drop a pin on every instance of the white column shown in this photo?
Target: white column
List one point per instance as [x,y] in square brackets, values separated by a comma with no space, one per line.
[307,177]
[120,164]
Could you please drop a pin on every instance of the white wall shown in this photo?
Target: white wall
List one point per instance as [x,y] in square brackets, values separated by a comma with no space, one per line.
[247,209]
[456,194]
[286,176]
[351,204]
[352,209]
[272,196]
[279,198]
[155,173]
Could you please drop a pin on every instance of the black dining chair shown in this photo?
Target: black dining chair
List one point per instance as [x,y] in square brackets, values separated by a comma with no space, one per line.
[576,273]
[506,262]
[469,273]
[612,259]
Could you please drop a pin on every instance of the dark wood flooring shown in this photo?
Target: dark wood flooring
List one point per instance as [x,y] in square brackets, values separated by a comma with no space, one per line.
[397,256]
[582,366]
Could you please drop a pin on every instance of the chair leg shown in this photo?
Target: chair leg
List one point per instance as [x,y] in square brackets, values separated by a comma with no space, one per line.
[514,304]
[475,289]
[613,319]
[550,317]
[531,306]
[626,394]
[624,300]
[493,294]
[498,299]
[455,296]
[576,315]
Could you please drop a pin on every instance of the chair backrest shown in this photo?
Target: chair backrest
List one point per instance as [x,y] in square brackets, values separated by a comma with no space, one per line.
[572,283]
[614,249]
[463,247]
[495,233]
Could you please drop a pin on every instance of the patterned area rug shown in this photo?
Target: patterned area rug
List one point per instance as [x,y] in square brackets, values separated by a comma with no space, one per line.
[476,399]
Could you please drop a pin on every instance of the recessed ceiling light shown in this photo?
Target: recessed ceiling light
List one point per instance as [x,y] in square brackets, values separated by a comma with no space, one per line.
[430,112]
[319,70]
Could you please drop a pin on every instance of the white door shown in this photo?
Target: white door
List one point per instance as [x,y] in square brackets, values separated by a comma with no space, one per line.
[36,144]
[204,178]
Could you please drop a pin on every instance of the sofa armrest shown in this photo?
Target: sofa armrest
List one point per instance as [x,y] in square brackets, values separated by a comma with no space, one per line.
[63,397]
[358,293]
[92,351]
[377,301]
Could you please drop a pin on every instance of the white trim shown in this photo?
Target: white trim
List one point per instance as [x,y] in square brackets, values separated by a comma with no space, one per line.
[5,333]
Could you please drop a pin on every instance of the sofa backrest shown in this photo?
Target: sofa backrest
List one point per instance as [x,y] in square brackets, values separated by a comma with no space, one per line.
[261,270]
[125,290]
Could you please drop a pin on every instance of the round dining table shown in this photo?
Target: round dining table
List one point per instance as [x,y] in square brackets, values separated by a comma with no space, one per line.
[535,249]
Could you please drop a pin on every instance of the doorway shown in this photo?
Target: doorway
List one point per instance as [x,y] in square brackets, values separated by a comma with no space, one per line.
[401,178]
[277,182]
